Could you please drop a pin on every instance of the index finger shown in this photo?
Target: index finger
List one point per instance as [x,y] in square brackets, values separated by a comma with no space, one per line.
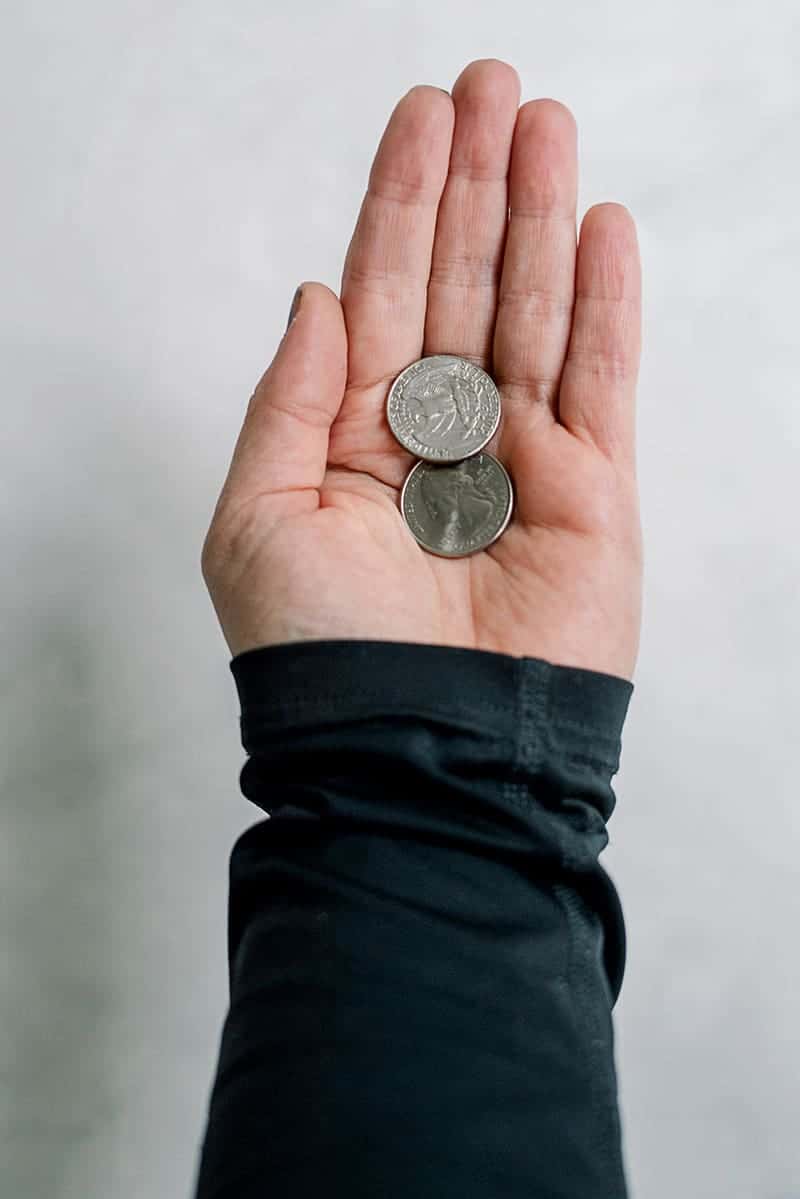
[385,275]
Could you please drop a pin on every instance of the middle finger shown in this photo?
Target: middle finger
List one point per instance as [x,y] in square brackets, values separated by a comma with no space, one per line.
[471,225]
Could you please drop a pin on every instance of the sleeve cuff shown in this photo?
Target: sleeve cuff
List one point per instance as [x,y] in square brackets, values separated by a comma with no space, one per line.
[304,682]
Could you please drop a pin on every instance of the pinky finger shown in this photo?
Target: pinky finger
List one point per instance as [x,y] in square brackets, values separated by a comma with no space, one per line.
[597,398]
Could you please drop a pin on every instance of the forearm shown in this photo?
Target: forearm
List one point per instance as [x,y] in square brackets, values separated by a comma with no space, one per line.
[424,949]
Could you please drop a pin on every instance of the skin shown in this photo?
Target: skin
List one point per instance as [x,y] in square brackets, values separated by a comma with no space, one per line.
[466,243]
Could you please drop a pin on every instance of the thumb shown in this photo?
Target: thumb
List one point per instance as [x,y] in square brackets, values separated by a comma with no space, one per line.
[283,444]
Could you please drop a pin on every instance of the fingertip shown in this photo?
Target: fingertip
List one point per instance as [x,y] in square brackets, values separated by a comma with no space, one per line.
[493,76]
[611,219]
[608,252]
[313,286]
[551,117]
[312,295]
[424,116]
[423,95]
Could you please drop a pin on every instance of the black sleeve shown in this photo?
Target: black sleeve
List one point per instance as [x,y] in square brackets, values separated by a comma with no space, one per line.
[424,950]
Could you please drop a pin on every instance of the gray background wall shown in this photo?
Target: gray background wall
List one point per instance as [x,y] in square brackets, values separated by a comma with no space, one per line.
[171,173]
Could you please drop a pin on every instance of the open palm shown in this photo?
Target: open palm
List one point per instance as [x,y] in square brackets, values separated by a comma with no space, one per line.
[465,244]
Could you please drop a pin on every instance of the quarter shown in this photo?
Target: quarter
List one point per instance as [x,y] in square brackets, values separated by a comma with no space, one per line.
[443,408]
[456,509]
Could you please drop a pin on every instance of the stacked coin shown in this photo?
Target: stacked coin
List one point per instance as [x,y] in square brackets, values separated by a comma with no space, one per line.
[458,498]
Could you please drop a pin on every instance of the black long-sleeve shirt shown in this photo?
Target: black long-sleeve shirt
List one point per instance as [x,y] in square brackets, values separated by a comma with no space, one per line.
[424,951]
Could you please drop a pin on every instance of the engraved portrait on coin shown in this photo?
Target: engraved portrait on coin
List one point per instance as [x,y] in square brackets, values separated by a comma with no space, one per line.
[455,509]
[459,506]
[443,408]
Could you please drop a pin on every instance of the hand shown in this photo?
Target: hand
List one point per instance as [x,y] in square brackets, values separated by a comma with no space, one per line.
[307,540]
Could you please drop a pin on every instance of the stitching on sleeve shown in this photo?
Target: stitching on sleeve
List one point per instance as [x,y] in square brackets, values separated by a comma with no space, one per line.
[335,697]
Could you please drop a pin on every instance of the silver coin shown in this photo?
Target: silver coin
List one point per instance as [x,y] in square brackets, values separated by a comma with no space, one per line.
[443,408]
[455,509]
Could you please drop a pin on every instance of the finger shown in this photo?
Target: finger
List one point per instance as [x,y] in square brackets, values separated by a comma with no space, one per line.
[471,226]
[385,275]
[283,444]
[597,401]
[536,290]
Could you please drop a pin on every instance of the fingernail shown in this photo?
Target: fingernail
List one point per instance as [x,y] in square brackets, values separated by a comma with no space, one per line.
[295,306]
